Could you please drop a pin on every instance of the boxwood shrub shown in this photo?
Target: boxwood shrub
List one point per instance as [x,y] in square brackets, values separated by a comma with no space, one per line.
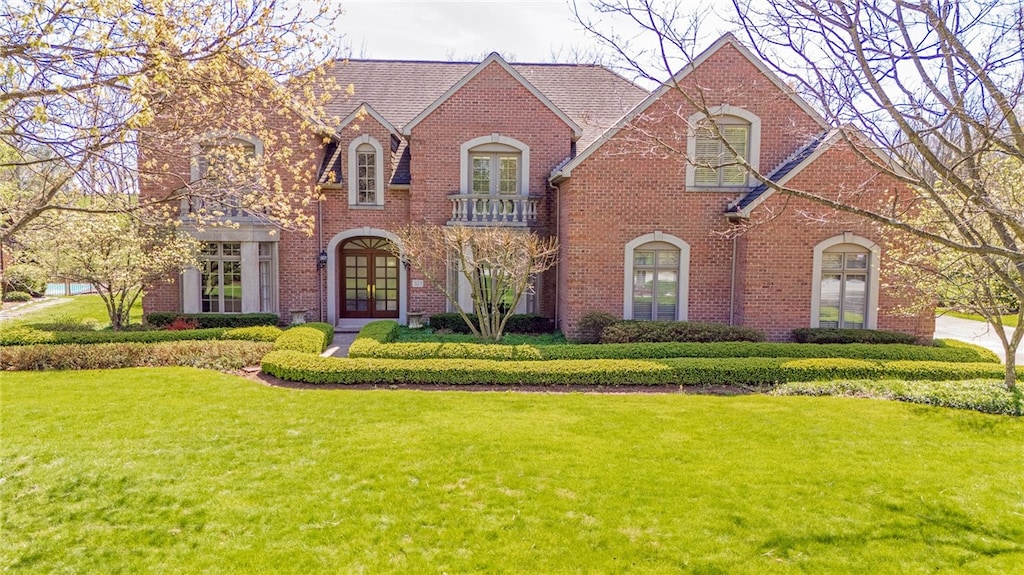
[17,296]
[268,333]
[296,366]
[307,338]
[210,320]
[517,323]
[833,335]
[633,331]
[221,355]
[985,395]
[24,335]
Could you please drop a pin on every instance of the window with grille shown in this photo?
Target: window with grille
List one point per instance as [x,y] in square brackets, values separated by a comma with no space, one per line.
[366,168]
[655,282]
[221,276]
[844,289]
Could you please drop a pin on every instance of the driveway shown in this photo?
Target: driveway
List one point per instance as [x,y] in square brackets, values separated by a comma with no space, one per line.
[976,332]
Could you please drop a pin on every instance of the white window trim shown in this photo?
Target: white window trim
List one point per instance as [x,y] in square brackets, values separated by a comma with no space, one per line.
[466,185]
[725,110]
[213,138]
[871,321]
[191,278]
[353,163]
[683,304]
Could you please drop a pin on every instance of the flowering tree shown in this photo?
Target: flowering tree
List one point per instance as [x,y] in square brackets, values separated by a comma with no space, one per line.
[499,264]
[114,253]
[105,86]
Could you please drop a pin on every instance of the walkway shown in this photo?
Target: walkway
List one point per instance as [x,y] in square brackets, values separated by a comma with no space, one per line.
[339,346]
[15,310]
[975,332]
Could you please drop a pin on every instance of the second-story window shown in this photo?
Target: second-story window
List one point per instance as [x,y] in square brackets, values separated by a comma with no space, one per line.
[366,168]
[714,159]
[365,172]
[495,173]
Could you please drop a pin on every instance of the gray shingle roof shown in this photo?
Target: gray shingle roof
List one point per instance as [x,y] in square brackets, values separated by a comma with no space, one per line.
[593,96]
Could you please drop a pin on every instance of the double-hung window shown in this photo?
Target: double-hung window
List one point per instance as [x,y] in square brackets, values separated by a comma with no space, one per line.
[366,174]
[844,289]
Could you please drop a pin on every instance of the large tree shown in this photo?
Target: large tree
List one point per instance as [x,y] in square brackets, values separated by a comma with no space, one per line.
[500,266]
[84,82]
[932,88]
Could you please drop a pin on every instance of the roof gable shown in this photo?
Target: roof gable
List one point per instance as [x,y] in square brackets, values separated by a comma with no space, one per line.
[565,170]
[363,110]
[496,59]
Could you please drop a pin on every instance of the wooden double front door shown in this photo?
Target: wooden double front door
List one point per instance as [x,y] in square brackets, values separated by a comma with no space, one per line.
[369,279]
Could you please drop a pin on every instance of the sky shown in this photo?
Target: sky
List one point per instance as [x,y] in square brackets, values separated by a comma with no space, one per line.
[519,30]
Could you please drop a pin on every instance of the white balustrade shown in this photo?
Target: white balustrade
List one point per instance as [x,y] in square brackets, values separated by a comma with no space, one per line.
[493,210]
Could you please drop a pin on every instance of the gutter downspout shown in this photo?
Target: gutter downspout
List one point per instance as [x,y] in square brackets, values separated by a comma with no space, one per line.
[558,262]
[732,285]
[321,270]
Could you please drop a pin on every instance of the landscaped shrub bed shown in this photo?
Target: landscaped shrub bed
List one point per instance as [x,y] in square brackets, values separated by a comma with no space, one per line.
[375,341]
[310,338]
[676,331]
[211,320]
[24,335]
[221,355]
[17,296]
[310,368]
[833,335]
[517,323]
[987,396]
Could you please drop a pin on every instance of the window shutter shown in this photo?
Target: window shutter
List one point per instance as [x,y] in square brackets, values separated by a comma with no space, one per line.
[737,137]
[706,151]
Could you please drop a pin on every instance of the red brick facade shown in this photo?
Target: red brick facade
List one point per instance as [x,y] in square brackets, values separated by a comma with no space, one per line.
[617,191]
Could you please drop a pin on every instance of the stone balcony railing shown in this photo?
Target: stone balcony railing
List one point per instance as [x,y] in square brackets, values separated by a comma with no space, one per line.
[216,211]
[493,210]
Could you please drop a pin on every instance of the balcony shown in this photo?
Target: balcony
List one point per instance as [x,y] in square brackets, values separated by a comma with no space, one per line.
[209,210]
[493,210]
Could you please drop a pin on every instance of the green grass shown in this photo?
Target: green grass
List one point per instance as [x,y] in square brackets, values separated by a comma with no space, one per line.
[179,470]
[406,335]
[74,309]
[1008,320]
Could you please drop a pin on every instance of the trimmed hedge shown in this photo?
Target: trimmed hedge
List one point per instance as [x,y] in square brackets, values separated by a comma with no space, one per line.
[309,338]
[834,335]
[211,320]
[633,331]
[517,323]
[220,355]
[268,333]
[295,366]
[986,396]
[375,341]
[983,352]
[24,335]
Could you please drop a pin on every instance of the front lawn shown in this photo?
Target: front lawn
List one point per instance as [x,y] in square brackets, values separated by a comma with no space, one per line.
[1008,320]
[73,310]
[181,470]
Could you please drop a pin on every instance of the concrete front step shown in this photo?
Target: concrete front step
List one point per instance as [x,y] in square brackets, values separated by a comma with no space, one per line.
[349,325]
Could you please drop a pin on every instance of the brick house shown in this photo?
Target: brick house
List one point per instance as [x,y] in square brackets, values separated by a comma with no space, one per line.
[577,152]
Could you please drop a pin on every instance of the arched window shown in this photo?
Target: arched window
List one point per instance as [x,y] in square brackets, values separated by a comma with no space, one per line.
[495,165]
[712,163]
[657,270]
[366,172]
[845,290]
[224,157]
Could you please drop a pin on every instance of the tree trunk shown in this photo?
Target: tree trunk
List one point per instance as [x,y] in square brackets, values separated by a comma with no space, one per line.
[1010,376]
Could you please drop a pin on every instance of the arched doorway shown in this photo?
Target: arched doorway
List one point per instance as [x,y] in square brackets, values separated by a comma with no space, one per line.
[369,279]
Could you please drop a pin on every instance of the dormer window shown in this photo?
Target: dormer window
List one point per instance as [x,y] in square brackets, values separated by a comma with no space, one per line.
[366,172]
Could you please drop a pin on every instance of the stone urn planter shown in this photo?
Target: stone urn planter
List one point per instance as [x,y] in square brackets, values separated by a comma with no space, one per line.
[298,316]
[414,319]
